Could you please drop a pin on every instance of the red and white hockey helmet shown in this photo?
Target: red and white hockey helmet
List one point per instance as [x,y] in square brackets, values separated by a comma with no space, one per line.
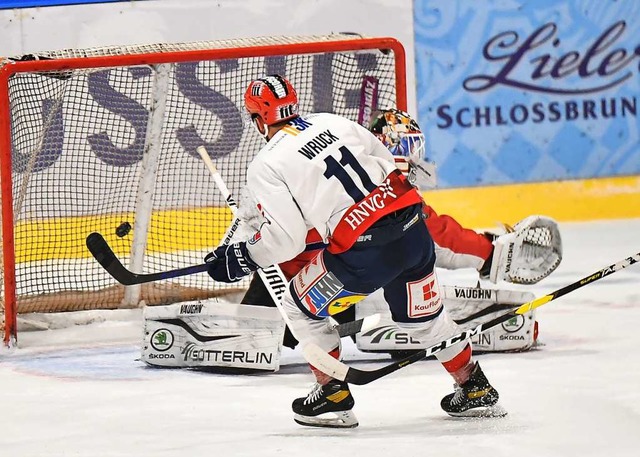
[273,98]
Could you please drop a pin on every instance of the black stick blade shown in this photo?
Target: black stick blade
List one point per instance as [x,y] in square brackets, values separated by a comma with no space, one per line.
[105,256]
[100,250]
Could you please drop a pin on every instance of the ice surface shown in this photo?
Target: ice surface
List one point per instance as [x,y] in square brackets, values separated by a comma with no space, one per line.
[82,391]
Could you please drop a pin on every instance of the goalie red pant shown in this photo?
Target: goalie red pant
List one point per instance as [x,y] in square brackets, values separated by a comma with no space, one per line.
[455,246]
[402,252]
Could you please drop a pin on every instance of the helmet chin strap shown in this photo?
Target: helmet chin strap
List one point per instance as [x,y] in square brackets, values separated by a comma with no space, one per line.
[264,134]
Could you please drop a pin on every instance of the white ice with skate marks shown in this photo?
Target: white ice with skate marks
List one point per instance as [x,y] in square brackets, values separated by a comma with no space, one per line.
[83,391]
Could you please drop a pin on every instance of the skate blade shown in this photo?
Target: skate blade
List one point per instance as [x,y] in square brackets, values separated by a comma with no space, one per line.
[482,412]
[341,419]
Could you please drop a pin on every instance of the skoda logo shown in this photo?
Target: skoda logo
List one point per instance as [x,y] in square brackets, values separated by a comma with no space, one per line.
[162,340]
[514,324]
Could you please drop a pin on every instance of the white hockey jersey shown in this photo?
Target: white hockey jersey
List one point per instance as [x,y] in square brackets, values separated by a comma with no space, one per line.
[307,176]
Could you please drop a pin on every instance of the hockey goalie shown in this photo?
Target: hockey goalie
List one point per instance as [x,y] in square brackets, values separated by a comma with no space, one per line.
[250,335]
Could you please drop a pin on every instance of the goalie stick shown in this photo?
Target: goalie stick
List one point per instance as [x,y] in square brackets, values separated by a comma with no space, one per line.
[336,369]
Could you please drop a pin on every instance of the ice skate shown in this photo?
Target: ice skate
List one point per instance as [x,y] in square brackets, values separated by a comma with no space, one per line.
[474,398]
[326,406]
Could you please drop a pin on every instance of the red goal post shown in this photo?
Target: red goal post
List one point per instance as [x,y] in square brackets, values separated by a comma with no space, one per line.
[95,139]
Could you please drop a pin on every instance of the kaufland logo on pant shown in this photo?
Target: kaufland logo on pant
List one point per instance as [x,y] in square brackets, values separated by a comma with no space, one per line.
[424,297]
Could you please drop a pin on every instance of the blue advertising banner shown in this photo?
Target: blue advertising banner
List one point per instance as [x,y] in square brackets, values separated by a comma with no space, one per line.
[513,91]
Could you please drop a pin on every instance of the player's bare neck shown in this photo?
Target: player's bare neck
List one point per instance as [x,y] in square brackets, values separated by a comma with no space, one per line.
[273,129]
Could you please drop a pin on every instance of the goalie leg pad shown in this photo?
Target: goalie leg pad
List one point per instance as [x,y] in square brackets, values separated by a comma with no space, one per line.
[531,252]
[471,306]
[468,307]
[208,334]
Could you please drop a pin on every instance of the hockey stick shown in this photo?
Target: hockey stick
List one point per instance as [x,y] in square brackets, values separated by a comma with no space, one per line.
[492,308]
[103,253]
[336,369]
[272,276]
[105,256]
[217,178]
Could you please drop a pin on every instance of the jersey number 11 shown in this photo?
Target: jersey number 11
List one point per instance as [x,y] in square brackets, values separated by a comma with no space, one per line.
[337,169]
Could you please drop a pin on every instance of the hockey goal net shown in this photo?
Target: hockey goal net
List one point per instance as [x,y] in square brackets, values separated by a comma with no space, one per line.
[105,138]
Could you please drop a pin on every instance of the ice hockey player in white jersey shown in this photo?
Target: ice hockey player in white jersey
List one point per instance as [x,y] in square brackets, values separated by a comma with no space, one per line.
[327,173]
[528,252]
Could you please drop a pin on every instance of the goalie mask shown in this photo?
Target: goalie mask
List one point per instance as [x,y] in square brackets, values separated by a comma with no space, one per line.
[399,133]
[273,99]
[402,136]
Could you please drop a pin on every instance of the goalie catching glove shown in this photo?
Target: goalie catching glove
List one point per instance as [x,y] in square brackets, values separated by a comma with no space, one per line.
[230,263]
[527,253]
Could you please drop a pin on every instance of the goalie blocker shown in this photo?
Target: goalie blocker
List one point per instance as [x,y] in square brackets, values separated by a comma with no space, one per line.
[247,338]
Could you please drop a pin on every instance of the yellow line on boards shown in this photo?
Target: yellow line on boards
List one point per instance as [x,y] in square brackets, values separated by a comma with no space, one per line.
[202,228]
[170,231]
[583,200]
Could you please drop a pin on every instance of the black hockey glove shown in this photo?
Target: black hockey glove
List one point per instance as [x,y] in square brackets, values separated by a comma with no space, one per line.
[230,263]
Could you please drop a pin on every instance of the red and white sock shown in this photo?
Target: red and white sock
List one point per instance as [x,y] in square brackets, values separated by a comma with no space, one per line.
[323,378]
[461,366]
